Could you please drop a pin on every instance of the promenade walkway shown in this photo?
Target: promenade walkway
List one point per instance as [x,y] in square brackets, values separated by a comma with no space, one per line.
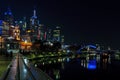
[21,69]
[11,72]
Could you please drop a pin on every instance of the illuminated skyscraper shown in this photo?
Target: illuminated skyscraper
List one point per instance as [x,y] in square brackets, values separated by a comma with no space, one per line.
[22,25]
[1,27]
[16,33]
[62,39]
[49,35]
[34,24]
[9,21]
[57,34]
[34,21]
[9,17]
[42,32]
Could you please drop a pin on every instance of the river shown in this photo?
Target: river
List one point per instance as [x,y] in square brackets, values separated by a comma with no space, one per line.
[68,68]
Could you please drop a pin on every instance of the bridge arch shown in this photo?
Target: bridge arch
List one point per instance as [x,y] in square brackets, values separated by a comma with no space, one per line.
[87,48]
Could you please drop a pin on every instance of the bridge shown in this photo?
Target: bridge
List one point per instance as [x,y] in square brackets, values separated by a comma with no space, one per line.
[93,49]
[21,69]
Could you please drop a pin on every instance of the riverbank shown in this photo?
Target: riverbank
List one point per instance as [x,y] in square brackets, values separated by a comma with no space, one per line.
[32,56]
[4,63]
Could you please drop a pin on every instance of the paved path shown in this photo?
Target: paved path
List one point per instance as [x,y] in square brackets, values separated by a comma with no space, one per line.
[13,69]
[25,73]
[21,69]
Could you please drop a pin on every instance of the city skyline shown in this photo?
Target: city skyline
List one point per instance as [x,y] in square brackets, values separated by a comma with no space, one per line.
[81,22]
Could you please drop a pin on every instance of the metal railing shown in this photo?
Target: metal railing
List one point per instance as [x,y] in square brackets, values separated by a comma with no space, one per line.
[14,71]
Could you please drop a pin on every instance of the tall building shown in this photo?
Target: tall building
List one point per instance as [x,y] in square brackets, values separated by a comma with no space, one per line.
[62,39]
[34,24]
[42,32]
[57,34]
[8,21]
[1,27]
[8,17]
[22,25]
[1,32]
[49,35]
[16,33]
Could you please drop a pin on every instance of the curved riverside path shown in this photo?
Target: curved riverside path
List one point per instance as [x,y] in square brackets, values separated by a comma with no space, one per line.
[10,73]
[21,69]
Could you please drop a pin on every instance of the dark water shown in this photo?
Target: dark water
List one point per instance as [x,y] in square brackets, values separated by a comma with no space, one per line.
[67,68]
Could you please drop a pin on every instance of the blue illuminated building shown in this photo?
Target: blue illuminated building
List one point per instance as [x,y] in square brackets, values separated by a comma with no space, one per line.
[33,26]
[1,23]
[33,21]
[8,16]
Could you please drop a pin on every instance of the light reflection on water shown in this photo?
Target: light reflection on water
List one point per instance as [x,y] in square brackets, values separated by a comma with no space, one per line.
[91,64]
[52,66]
[55,67]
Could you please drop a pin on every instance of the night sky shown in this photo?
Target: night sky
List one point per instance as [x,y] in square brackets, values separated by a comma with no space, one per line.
[88,22]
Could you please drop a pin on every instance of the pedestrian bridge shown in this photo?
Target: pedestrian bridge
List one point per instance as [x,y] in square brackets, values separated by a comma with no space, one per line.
[93,49]
[21,69]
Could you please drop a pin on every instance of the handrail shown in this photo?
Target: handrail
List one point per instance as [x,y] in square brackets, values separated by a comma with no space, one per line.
[30,73]
[18,69]
[38,72]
